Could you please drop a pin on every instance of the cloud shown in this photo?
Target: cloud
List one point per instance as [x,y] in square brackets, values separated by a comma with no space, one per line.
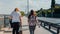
[7,6]
[57,1]
[40,4]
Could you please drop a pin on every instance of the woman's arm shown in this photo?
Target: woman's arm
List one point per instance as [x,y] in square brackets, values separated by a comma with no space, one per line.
[28,21]
[37,23]
[36,19]
[20,21]
[10,17]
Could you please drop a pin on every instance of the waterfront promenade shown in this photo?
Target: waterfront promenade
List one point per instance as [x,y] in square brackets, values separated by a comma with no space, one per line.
[38,30]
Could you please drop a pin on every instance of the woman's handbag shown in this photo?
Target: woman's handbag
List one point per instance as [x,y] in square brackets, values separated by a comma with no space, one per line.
[20,30]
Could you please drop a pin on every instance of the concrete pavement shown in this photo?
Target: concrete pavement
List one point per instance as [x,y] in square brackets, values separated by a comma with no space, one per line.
[38,30]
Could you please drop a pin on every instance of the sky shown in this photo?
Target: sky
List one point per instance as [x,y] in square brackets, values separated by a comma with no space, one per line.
[7,6]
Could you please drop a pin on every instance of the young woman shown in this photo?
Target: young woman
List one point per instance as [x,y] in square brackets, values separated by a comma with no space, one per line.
[32,22]
[16,20]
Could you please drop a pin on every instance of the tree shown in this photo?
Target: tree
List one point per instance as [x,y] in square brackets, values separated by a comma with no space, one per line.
[52,3]
[22,13]
[52,7]
[39,12]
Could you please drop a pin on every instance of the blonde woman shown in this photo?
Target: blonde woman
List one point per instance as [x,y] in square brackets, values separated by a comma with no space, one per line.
[16,19]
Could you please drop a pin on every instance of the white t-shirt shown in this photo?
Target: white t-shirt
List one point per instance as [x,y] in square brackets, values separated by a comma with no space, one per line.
[15,16]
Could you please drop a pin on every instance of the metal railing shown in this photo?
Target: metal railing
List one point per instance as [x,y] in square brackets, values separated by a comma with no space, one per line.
[4,20]
[50,22]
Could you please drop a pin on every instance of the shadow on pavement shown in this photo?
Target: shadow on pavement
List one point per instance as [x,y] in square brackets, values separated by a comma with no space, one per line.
[49,30]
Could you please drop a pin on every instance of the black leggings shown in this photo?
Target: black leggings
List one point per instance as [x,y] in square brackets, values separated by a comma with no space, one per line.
[32,29]
[15,28]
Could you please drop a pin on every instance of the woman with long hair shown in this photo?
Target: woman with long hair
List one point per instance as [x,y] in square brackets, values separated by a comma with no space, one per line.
[32,22]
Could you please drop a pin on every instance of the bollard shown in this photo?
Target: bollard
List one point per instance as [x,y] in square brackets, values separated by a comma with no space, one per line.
[20,32]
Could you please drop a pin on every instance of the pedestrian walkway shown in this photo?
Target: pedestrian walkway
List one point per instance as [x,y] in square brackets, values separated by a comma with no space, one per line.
[38,30]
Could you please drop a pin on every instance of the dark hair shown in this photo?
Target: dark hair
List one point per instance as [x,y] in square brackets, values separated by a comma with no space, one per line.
[16,9]
[31,13]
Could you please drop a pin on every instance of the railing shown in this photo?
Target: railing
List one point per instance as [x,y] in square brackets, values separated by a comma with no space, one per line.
[4,20]
[51,22]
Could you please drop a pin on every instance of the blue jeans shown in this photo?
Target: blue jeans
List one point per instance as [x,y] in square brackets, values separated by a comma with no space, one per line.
[32,29]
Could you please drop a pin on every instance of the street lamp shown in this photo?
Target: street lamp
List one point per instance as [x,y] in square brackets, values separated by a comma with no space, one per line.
[27,5]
